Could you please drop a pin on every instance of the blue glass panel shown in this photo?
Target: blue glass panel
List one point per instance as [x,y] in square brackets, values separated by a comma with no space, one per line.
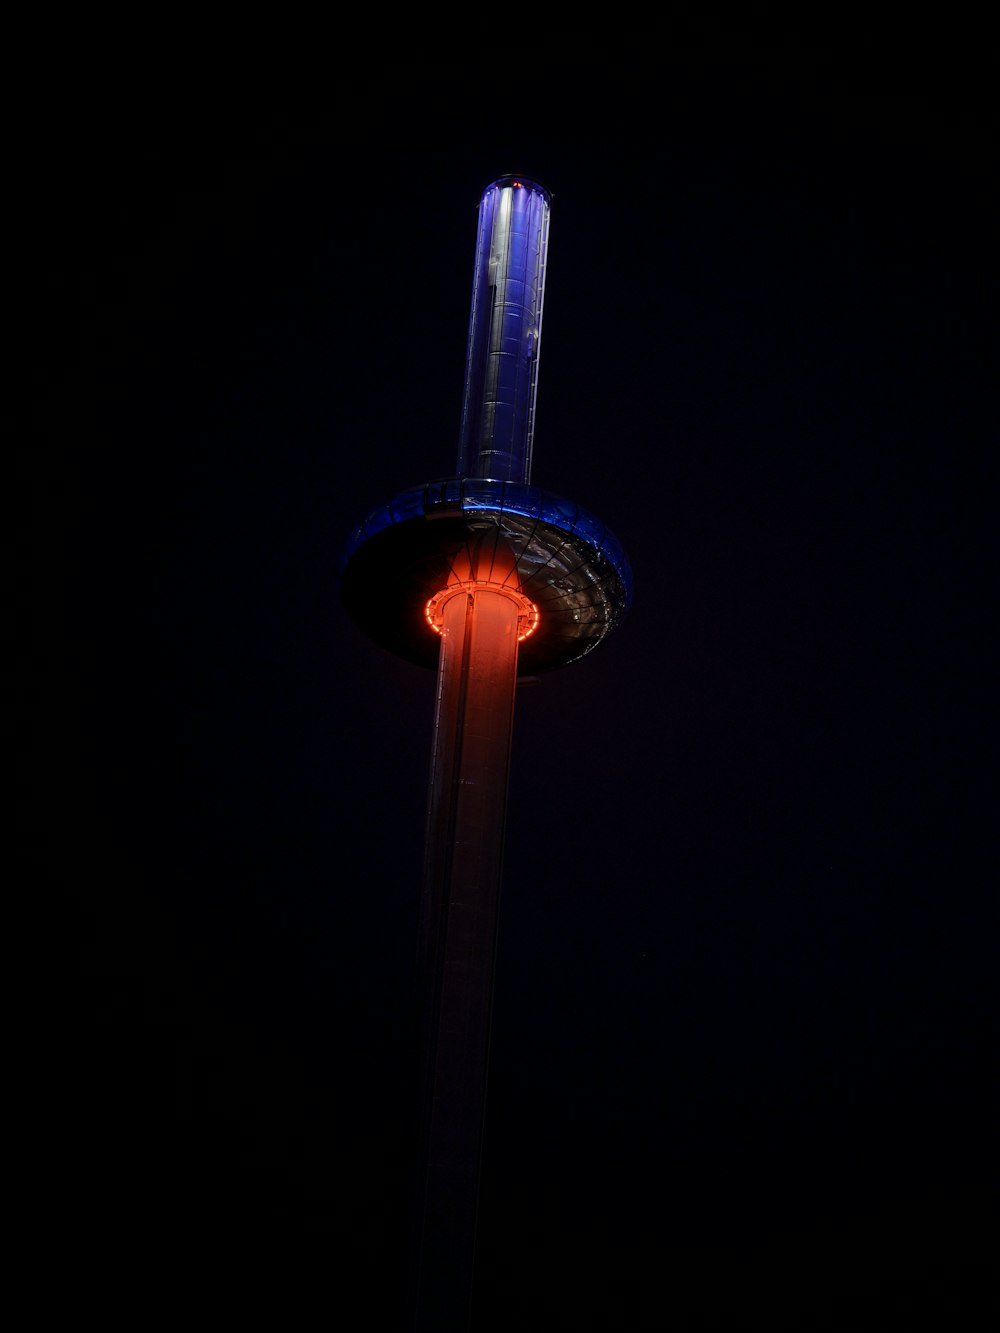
[559,511]
[589,528]
[522,499]
[433,494]
[480,494]
[377,520]
[408,504]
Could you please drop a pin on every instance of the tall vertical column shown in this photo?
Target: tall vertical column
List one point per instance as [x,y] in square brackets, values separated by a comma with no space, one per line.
[480,619]
[505,330]
[462,533]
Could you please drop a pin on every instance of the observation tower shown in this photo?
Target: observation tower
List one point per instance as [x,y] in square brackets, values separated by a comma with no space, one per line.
[479,577]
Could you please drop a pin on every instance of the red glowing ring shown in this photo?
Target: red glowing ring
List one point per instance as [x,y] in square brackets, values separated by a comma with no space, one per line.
[527,618]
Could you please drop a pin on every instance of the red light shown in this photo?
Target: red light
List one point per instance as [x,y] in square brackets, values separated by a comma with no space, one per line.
[527,619]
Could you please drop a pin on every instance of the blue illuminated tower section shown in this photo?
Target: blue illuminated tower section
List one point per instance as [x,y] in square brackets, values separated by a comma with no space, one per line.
[480,577]
[505,330]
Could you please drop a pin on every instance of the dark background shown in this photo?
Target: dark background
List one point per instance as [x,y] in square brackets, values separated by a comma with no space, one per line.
[743,1033]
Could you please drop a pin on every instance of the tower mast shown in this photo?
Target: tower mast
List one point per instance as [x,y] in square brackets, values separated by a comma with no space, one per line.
[476,576]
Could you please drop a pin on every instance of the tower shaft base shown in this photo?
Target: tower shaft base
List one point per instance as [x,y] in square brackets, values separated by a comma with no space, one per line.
[477,676]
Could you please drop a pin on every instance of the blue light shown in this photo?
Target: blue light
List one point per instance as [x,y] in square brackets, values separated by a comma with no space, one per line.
[480,495]
[505,328]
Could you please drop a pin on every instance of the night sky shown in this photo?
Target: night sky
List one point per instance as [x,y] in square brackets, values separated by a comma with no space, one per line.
[743,1053]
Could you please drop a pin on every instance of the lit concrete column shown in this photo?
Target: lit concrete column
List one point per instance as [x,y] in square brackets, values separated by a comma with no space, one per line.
[480,621]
